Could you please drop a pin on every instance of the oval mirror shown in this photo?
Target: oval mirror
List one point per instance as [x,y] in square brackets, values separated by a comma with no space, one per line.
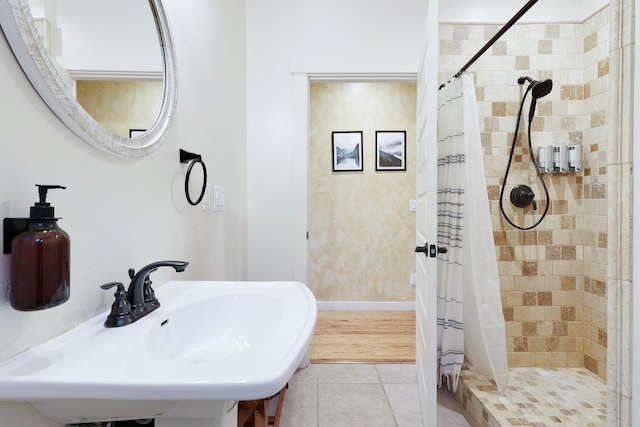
[67,83]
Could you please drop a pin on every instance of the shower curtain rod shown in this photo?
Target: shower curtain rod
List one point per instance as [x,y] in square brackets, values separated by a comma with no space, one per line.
[499,34]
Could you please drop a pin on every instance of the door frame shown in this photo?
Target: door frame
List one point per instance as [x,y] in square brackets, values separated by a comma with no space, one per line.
[300,174]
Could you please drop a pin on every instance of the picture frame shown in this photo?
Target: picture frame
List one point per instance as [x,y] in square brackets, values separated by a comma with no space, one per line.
[133,133]
[347,151]
[391,150]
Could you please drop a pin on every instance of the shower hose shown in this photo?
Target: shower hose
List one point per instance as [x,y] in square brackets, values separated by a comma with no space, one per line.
[535,165]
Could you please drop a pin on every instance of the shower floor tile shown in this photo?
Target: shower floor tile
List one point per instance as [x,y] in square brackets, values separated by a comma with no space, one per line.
[536,397]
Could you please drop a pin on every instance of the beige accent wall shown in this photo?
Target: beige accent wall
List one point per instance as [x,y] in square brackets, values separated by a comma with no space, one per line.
[121,105]
[361,232]
[552,278]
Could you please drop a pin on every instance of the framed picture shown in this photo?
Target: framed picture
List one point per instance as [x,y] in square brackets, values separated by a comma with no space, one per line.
[347,151]
[391,150]
[136,132]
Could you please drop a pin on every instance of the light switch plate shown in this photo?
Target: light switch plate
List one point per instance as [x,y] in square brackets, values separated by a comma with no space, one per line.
[218,199]
[207,198]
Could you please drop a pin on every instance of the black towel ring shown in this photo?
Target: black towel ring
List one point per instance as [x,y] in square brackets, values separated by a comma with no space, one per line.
[185,157]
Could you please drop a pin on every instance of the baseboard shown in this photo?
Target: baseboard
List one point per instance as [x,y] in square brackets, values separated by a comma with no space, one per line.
[366,305]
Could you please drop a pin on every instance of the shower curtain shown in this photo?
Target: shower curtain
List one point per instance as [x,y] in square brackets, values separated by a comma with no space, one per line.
[470,320]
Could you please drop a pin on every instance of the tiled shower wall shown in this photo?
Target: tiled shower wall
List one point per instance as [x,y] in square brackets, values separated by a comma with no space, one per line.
[553,277]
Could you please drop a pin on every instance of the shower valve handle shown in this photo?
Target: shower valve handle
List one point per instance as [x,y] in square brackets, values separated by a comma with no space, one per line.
[522,196]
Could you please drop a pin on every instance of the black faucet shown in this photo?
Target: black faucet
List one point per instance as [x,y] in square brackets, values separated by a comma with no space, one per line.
[141,285]
[139,300]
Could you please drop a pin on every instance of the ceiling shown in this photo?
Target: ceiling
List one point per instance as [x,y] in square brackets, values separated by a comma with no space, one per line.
[500,11]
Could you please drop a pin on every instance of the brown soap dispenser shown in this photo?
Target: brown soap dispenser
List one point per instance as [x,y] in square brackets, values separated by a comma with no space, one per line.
[40,259]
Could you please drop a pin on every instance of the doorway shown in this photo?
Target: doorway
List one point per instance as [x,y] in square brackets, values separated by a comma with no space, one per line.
[361,227]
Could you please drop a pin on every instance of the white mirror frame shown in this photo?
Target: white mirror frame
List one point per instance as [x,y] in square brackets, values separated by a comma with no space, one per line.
[20,31]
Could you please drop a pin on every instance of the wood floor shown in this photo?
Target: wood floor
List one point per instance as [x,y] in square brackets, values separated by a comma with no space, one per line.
[364,337]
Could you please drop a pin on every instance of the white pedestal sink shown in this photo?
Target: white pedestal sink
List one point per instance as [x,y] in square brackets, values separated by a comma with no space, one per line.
[186,364]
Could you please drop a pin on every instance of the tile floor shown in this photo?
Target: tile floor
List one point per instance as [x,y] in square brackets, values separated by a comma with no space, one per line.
[541,397]
[356,395]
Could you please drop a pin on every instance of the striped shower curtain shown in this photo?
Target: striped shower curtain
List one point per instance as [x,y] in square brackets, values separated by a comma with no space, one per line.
[470,319]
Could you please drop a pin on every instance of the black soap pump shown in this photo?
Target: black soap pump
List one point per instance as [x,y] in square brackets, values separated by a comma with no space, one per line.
[40,259]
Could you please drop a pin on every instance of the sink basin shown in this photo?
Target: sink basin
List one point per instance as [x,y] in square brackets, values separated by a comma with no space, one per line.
[207,346]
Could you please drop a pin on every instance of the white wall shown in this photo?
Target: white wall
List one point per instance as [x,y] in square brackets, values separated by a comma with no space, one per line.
[287,40]
[123,213]
[97,35]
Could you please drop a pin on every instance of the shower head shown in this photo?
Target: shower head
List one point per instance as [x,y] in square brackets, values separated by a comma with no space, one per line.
[539,88]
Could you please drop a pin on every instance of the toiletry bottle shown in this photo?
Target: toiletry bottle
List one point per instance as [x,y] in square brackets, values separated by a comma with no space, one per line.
[40,259]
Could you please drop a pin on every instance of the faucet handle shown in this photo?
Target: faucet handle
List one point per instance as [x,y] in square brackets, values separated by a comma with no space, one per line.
[121,313]
[111,285]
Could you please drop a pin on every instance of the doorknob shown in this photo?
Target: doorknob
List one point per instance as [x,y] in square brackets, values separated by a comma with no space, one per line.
[423,249]
[431,250]
[428,251]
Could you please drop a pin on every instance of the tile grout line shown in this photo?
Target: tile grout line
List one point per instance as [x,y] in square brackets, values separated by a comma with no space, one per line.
[386,395]
[317,399]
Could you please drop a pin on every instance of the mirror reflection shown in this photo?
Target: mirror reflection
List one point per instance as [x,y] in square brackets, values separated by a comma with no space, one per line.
[108,55]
